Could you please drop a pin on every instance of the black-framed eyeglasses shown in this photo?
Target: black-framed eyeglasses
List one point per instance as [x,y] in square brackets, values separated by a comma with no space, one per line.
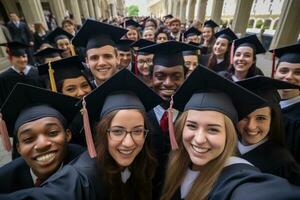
[142,62]
[118,134]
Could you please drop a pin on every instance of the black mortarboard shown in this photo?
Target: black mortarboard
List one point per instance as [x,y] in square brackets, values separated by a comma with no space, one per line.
[289,53]
[226,33]
[112,95]
[70,67]
[191,32]
[210,23]
[28,103]
[266,87]
[130,22]
[202,49]
[94,34]
[57,34]
[48,52]
[250,41]
[168,54]
[204,89]
[15,48]
[141,43]
[124,44]
[169,16]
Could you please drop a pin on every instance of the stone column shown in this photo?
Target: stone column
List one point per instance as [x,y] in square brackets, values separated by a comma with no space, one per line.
[10,6]
[75,11]
[98,12]
[85,8]
[241,16]
[91,8]
[287,29]
[33,12]
[58,8]
[182,10]
[217,8]
[189,10]
[2,40]
[200,10]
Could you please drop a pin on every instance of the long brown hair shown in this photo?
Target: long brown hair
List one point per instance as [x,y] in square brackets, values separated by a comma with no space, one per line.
[142,169]
[179,161]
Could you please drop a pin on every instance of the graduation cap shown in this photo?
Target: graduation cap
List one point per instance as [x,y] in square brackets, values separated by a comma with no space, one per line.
[289,53]
[191,32]
[168,54]
[141,43]
[226,33]
[124,44]
[202,49]
[130,22]
[204,89]
[58,34]
[210,23]
[266,87]
[169,16]
[111,96]
[15,48]
[27,103]
[48,53]
[94,34]
[59,70]
[250,41]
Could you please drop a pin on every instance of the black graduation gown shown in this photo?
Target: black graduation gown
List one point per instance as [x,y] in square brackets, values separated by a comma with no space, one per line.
[9,78]
[17,173]
[228,75]
[161,146]
[79,180]
[274,159]
[243,181]
[76,127]
[291,119]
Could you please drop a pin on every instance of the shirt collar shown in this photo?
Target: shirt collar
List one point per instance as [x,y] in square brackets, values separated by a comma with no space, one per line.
[246,148]
[25,71]
[159,111]
[125,175]
[34,177]
[289,102]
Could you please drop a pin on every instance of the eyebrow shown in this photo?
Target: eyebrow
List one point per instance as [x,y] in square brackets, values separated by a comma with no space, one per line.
[218,125]
[48,125]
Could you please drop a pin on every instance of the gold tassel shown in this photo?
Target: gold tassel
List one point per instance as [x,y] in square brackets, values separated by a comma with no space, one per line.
[72,50]
[51,77]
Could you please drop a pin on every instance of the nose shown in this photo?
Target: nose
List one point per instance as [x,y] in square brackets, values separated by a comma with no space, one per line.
[289,75]
[168,82]
[42,143]
[251,125]
[101,61]
[128,141]
[200,137]
[80,93]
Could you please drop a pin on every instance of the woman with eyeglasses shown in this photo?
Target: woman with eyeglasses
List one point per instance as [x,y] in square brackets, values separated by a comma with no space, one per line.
[122,164]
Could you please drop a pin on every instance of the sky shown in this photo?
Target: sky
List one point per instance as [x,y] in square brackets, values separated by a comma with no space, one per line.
[142,4]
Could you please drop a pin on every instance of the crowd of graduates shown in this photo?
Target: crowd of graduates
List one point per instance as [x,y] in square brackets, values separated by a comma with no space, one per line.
[147,108]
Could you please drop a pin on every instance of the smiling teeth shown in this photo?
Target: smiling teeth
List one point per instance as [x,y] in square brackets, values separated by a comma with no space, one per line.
[45,157]
[199,149]
[126,152]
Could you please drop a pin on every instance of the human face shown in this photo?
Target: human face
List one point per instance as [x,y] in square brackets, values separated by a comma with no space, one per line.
[63,44]
[207,33]
[166,80]
[161,37]
[150,24]
[148,35]
[125,151]
[204,136]
[19,62]
[255,127]
[288,72]
[243,59]
[220,47]
[14,17]
[191,62]
[70,28]
[144,62]
[175,27]
[43,145]
[102,62]
[132,35]
[193,38]
[76,87]
[125,58]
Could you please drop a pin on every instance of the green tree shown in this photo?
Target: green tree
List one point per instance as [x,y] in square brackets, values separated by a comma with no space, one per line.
[133,10]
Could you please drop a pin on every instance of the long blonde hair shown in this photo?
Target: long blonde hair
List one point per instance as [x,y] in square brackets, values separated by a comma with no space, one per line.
[179,162]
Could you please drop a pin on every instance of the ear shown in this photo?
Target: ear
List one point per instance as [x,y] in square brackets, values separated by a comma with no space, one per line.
[18,147]
[68,135]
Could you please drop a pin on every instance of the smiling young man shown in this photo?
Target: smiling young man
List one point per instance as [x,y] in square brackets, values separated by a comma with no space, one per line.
[99,39]
[37,119]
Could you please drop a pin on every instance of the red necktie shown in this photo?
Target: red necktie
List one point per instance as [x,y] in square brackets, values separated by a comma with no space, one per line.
[164,123]
[38,182]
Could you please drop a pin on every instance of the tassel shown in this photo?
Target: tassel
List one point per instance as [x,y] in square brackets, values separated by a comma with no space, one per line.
[231,53]
[72,50]
[87,131]
[4,135]
[273,63]
[173,141]
[51,77]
